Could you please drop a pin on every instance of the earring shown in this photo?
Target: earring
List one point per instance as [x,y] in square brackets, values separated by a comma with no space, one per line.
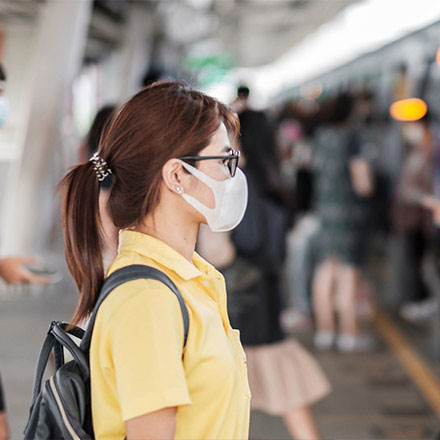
[179,190]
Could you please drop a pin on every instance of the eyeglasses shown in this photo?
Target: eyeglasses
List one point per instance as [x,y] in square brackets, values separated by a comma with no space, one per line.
[231,160]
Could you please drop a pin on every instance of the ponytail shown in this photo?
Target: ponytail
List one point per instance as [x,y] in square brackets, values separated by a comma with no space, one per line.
[82,235]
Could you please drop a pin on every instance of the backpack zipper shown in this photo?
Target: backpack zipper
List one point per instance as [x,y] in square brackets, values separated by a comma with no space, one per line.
[62,411]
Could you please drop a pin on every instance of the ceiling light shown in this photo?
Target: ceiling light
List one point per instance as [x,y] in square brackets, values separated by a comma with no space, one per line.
[411,109]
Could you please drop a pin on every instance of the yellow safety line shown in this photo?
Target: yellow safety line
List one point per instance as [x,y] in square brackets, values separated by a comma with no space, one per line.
[417,369]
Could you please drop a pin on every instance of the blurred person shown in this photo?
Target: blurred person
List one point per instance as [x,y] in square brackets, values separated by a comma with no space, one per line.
[288,133]
[361,122]
[433,204]
[4,426]
[343,183]
[411,219]
[275,171]
[169,155]
[89,147]
[284,378]
[293,140]
[13,269]
[257,143]
[91,142]
[302,244]
[16,270]
[294,154]
[155,73]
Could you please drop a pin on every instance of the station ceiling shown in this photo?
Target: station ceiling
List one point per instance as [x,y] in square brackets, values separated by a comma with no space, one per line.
[253,32]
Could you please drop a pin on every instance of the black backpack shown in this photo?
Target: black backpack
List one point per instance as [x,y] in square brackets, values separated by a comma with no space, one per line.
[61,408]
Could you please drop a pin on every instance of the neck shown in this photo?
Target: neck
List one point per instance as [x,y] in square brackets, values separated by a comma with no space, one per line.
[178,233]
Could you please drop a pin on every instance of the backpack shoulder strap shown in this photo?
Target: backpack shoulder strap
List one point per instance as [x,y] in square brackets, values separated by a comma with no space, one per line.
[130,273]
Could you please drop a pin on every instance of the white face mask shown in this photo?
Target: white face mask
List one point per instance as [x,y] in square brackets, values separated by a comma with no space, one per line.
[231,196]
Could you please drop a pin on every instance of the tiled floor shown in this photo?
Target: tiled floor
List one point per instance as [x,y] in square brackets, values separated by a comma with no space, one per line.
[372,398]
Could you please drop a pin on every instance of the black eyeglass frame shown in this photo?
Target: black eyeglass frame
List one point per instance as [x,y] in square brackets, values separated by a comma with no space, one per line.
[232,160]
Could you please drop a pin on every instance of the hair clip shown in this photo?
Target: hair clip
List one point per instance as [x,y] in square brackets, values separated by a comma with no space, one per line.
[100,166]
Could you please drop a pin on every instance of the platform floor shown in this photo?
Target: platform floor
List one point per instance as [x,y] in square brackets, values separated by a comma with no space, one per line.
[373,397]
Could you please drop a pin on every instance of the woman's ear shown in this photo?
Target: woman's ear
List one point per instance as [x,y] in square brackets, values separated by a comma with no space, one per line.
[172,175]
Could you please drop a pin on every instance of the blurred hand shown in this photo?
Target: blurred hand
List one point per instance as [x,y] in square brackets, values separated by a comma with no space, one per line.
[361,177]
[13,271]
[4,428]
[433,204]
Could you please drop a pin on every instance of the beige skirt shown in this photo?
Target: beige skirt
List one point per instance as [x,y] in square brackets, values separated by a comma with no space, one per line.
[282,376]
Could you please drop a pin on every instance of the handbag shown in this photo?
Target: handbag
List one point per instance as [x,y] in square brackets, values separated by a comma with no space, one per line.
[61,408]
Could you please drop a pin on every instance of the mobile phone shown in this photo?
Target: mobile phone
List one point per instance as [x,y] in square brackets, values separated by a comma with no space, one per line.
[54,276]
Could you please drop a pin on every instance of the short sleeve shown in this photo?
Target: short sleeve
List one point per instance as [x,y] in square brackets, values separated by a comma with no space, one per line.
[353,146]
[146,339]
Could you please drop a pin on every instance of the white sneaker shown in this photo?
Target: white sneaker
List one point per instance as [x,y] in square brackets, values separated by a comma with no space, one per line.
[324,340]
[419,311]
[295,320]
[347,343]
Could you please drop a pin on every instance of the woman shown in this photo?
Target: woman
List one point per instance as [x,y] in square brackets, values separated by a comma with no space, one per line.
[167,152]
[100,122]
[412,221]
[343,185]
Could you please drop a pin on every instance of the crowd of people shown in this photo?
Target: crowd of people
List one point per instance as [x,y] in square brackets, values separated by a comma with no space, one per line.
[319,198]
[336,157]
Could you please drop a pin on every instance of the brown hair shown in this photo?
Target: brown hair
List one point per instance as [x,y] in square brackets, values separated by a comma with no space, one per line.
[162,121]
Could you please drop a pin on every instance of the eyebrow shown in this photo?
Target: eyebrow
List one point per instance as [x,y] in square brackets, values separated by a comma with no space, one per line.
[227,148]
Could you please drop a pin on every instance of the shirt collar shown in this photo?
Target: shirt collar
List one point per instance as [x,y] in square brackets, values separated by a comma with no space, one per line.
[163,254]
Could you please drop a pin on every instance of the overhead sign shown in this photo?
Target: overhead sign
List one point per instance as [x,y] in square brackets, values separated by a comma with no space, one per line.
[209,68]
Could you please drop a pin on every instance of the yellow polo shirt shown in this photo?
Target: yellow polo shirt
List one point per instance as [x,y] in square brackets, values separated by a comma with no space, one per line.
[136,350]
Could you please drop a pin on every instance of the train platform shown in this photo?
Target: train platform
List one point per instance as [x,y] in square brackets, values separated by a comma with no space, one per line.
[390,393]
[373,397]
